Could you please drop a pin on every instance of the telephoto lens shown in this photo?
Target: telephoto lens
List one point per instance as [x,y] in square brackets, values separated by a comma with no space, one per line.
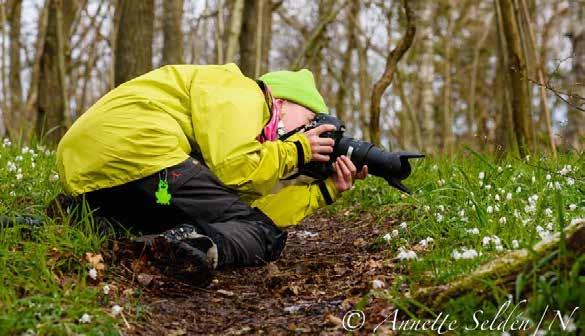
[391,166]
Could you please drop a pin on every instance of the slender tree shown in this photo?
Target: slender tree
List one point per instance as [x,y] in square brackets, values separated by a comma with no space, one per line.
[255,37]
[172,52]
[518,85]
[52,107]
[391,62]
[133,47]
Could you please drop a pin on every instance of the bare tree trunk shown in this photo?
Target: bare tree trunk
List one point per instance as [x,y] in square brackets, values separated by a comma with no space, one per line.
[172,52]
[4,111]
[253,31]
[539,64]
[427,76]
[234,30]
[219,33]
[392,60]
[408,114]
[364,85]
[471,117]
[518,86]
[52,107]
[447,133]
[575,131]
[133,51]
[347,58]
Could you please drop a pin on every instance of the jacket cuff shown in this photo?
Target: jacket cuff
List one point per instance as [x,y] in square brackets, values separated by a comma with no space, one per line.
[328,190]
[303,146]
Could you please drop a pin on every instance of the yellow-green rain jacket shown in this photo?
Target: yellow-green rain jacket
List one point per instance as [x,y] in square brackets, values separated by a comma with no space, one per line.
[154,121]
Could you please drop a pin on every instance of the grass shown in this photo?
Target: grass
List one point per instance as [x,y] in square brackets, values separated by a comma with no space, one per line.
[458,203]
[45,288]
[44,283]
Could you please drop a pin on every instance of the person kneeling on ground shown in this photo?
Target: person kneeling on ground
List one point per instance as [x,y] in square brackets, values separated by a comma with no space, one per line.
[190,156]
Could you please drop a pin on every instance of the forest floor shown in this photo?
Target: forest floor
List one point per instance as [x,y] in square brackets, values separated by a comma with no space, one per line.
[328,265]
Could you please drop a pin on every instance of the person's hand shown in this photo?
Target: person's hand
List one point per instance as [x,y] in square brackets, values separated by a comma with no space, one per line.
[346,173]
[320,147]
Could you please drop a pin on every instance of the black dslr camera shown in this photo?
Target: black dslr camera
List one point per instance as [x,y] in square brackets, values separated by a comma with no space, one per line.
[392,166]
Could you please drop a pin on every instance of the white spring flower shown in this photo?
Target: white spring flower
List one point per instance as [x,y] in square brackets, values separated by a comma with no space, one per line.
[500,169]
[439,217]
[395,233]
[54,177]
[533,179]
[497,208]
[569,325]
[572,207]
[473,231]
[465,254]
[426,208]
[549,226]
[481,183]
[377,284]
[566,170]
[486,240]
[481,175]
[488,186]
[516,213]
[530,208]
[509,196]
[518,190]
[93,273]
[462,213]
[106,289]
[425,242]
[116,310]
[441,207]
[548,177]
[404,254]
[558,185]
[515,244]
[490,209]
[497,197]
[403,225]
[435,167]
[18,158]
[570,181]
[503,220]
[548,212]
[532,199]
[85,318]
[11,166]
[12,193]
[18,177]
[499,248]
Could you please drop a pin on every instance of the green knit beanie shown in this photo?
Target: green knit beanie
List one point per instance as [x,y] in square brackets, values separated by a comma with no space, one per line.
[296,86]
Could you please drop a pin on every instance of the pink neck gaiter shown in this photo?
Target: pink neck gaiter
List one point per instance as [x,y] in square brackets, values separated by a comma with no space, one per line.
[270,131]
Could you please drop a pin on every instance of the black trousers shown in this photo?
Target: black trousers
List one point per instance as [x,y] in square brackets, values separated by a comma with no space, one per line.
[244,235]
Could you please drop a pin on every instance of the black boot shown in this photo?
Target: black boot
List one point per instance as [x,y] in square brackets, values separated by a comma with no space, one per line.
[182,252]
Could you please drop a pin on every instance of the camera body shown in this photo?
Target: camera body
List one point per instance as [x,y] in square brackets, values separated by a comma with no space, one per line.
[392,166]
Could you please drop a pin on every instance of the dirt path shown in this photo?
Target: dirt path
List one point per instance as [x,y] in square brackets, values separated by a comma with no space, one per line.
[327,266]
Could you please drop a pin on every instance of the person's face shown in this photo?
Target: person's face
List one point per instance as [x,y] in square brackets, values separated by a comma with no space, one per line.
[294,115]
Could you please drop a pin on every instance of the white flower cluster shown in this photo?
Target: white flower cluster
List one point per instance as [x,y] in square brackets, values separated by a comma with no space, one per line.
[6,143]
[464,254]
[497,242]
[473,231]
[404,254]
[388,236]
[545,234]
[567,169]
[531,206]
[425,242]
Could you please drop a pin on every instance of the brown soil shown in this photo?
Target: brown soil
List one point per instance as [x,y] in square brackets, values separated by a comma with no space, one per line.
[308,290]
